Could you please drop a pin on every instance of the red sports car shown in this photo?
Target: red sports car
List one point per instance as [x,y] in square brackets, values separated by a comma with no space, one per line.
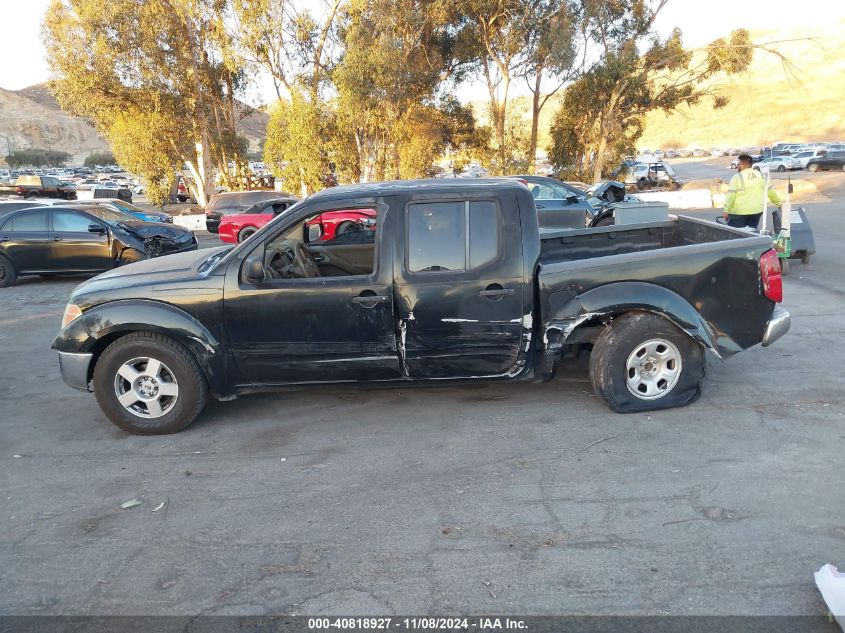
[238,227]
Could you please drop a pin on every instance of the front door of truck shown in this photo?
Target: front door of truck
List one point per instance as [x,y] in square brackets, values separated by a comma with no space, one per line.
[460,288]
[314,317]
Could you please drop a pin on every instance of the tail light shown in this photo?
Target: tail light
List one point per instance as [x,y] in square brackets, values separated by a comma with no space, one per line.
[771,276]
[19,191]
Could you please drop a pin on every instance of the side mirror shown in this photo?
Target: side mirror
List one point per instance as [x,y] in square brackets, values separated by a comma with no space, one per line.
[97,228]
[315,232]
[572,198]
[254,269]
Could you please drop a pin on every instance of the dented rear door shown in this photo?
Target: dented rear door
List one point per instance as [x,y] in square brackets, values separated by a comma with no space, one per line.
[460,287]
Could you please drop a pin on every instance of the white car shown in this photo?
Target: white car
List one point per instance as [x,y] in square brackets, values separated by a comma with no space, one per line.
[781,163]
[805,156]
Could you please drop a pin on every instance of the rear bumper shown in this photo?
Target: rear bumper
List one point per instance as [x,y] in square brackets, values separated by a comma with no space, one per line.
[74,368]
[777,326]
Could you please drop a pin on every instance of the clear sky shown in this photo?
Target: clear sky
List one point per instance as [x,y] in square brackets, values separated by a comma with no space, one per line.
[22,55]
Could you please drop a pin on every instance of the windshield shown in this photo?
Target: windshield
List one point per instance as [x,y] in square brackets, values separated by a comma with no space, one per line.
[126,206]
[110,216]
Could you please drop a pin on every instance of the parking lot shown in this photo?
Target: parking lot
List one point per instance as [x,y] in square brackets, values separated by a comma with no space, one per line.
[530,499]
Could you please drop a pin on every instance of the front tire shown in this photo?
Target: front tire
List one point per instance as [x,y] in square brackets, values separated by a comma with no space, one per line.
[246,233]
[643,362]
[8,275]
[813,167]
[781,168]
[148,384]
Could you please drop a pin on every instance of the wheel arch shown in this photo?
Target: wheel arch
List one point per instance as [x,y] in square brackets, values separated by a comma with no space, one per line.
[106,323]
[569,312]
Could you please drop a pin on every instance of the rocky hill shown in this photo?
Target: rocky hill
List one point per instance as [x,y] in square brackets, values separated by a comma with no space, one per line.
[32,118]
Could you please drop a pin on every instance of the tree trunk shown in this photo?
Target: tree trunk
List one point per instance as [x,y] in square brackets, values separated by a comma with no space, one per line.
[535,123]
[598,163]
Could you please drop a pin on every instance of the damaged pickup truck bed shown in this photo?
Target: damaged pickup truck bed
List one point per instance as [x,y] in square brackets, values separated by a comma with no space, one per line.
[455,283]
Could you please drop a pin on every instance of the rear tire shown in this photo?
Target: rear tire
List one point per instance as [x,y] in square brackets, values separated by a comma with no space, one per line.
[781,168]
[805,257]
[30,195]
[171,367]
[344,227]
[8,275]
[813,167]
[784,265]
[245,233]
[642,362]
[130,256]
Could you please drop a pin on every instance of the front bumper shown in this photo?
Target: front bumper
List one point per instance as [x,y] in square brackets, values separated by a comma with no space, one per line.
[74,368]
[777,326]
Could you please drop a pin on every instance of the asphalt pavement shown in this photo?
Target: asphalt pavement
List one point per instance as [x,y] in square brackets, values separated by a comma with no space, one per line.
[529,499]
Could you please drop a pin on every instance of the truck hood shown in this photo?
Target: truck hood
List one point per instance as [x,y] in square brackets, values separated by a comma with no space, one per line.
[150,272]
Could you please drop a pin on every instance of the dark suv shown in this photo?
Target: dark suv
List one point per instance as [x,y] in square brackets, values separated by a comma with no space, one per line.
[831,160]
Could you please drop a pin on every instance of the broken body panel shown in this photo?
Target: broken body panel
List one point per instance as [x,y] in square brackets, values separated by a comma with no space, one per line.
[508,317]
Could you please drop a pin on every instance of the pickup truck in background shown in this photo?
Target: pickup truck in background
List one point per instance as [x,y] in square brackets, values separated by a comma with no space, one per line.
[455,283]
[40,187]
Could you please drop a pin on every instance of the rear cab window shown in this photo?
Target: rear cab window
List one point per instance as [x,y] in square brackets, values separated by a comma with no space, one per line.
[451,236]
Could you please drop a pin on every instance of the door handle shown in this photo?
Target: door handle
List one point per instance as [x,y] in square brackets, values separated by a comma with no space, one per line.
[56,238]
[497,292]
[368,299]
[539,206]
[319,258]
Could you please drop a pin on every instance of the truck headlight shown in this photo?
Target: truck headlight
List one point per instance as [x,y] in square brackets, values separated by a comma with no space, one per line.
[72,312]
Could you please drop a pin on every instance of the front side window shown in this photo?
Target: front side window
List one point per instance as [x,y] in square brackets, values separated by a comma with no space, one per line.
[30,222]
[451,236]
[332,243]
[67,221]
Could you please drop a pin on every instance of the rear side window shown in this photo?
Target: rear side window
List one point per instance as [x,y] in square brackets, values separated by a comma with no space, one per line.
[452,236]
[70,222]
[29,222]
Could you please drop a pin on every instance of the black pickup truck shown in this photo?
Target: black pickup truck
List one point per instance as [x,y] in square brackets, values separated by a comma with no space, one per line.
[456,282]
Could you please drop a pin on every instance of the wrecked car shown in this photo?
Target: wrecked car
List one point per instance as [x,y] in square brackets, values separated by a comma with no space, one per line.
[564,205]
[81,238]
[456,283]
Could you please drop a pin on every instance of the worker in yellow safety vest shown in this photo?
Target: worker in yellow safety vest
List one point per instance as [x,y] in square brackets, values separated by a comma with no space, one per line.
[745,201]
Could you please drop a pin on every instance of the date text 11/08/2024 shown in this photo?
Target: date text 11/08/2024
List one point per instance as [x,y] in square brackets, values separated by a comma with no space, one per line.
[417,624]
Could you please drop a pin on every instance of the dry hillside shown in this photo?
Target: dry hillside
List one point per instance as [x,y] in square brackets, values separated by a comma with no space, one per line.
[768,104]
[31,118]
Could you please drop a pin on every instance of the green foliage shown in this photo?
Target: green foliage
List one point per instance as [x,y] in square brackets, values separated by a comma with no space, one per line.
[100,158]
[168,59]
[36,158]
[602,113]
[143,154]
[296,149]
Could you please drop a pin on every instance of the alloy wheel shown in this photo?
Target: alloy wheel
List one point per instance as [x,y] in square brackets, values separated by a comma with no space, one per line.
[146,387]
